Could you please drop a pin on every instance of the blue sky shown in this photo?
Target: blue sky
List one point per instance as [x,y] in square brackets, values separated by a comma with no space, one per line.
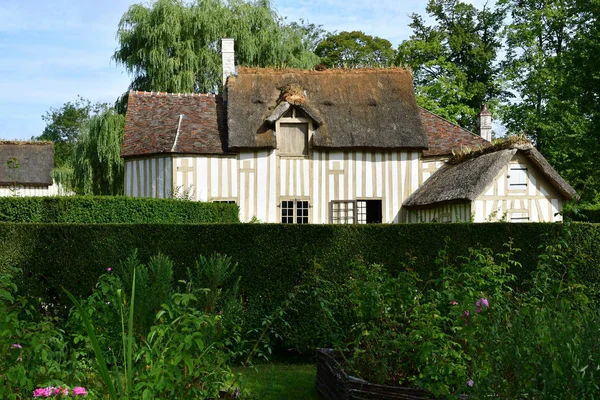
[51,51]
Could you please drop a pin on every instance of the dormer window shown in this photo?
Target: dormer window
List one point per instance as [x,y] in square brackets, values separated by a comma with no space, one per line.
[293,132]
[292,139]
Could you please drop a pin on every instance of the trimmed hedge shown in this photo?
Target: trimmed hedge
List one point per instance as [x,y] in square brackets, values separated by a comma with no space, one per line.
[271,257]
[588,214]
[113,210]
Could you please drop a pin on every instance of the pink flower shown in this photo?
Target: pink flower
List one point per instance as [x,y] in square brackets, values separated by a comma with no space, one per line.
[17,346]
[63,391]
[470,382]
[43,392]
[465,316]
[482,302]
[454,302]
[79,391]
[109,269]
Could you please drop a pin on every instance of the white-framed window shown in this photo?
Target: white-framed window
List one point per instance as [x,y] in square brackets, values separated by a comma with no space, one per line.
[519,216]
[517,177]
[356,211]
[343,212]
[294,211]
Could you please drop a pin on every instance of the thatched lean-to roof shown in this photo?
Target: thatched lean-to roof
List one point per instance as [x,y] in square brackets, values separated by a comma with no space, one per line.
[35,161]
[465,178]
[158,123]
[362,108]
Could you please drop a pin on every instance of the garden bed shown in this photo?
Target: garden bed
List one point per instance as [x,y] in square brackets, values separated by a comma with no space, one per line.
[334,384]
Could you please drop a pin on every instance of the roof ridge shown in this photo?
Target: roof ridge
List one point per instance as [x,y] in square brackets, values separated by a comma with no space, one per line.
[450,122]
[152,93]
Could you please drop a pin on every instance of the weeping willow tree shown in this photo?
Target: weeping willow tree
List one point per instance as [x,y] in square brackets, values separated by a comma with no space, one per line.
[98,166]
[174,46]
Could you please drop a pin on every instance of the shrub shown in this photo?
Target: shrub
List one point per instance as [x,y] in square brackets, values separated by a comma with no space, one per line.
[113,210]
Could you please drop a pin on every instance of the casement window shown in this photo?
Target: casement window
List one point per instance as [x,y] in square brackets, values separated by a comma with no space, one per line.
[356,212]
[343,212]
[519,216]
[294,211]
[517,177]
[292,139]
[225,201]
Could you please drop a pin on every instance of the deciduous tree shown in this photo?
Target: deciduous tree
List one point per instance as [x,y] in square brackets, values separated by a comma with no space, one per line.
[454,59]
[98,167]
[174,46]
[355,49]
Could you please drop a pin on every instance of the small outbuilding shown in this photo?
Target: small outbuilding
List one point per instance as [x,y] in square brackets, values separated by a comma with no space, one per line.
[26,168]
[506,181]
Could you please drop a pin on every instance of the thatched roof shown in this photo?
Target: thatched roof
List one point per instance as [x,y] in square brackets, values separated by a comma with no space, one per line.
[359,108]
[444,137]
[158,122]
[464,178]
[35,161]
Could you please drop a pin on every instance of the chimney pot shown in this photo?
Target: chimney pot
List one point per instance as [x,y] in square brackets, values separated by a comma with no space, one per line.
[228,57]
[484,123]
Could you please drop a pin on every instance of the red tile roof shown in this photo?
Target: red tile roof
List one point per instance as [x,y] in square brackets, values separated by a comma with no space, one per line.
[444,136]
[159,122]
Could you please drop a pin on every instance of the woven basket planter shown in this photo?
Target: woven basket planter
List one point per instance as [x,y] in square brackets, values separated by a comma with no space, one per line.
[334,384]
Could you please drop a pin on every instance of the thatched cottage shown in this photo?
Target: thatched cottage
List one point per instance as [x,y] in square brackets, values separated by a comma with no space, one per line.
[26,168]
[334,146]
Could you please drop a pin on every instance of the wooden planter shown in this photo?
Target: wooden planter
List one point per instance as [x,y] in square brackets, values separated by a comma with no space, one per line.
[334,384]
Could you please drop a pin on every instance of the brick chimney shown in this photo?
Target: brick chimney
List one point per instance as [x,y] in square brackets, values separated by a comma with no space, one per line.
[228,57]
[484,123]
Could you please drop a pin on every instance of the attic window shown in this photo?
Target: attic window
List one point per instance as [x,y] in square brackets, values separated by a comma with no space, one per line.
[517,177]
[292,139]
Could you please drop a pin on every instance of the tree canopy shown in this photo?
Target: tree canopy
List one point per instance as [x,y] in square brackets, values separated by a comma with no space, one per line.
[174,46]
[355,50]
[64,126]
[551,65]
[453,59]
[98,167]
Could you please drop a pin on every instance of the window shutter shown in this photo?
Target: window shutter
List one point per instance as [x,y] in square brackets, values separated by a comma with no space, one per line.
[292,139]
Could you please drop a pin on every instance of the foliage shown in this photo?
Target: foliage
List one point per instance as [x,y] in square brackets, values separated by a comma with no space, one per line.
[550,66]
[355,50]
[472,330]
[98,166]
[154,288]
[271,258]
[454,60]
[32,346]
[545,346]
[113,210]
[185,352]
[414,333]
[64,126]
[174,46]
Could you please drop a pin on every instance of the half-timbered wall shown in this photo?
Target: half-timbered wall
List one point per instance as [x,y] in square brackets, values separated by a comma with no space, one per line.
[258,181]
[445,213]
[31,190]
[387,176]
[150,177]
[508,198]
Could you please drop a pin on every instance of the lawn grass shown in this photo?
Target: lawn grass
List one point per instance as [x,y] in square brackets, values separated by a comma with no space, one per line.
[277,380]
